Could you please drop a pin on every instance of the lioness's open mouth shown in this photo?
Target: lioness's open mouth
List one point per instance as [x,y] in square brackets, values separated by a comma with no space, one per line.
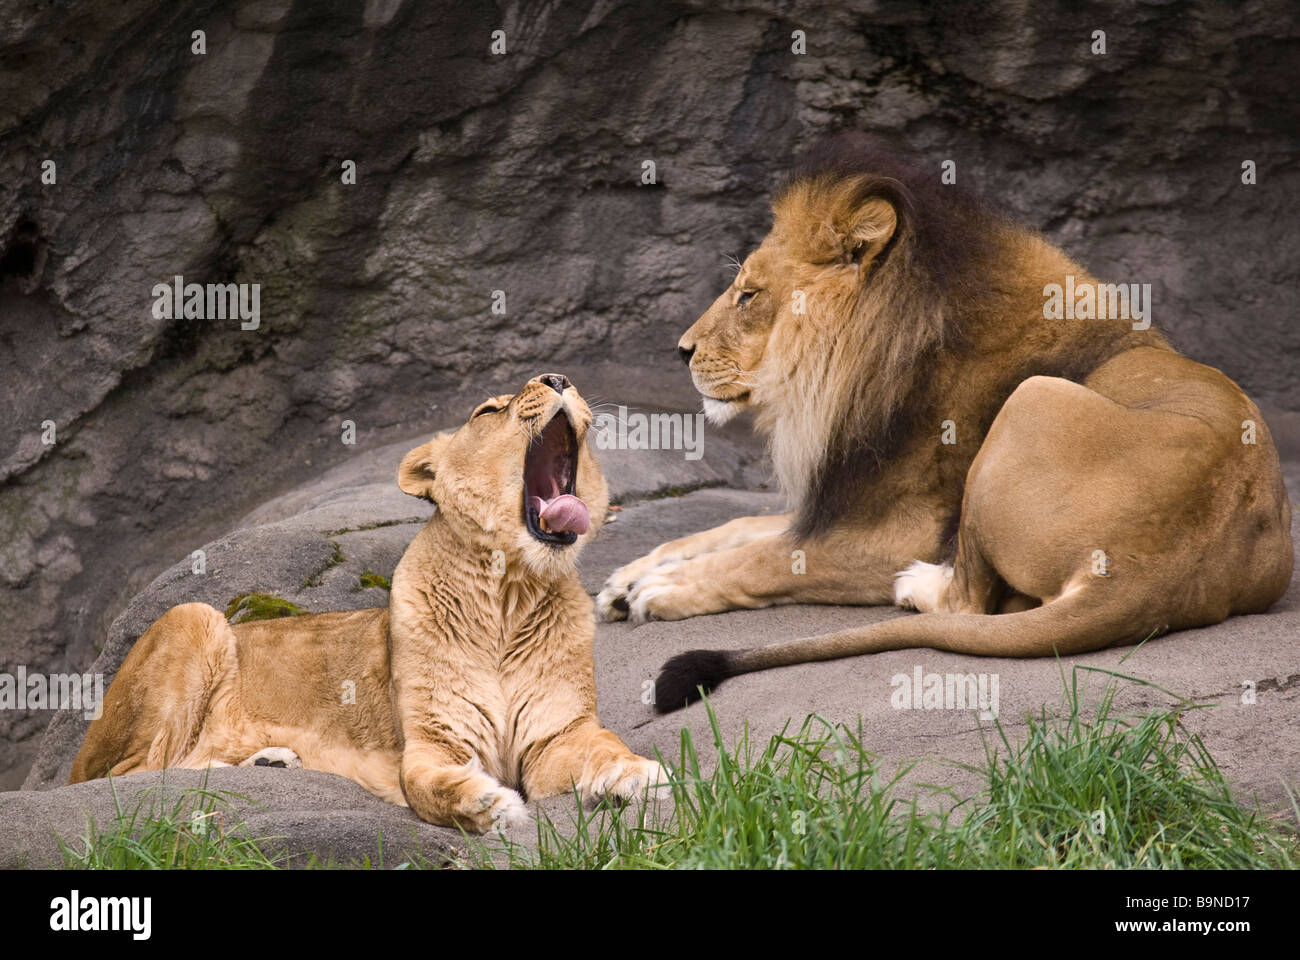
[552,513]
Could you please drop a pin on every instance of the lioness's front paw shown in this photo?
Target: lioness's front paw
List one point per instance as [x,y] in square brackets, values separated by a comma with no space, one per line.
[502,808]
[625,780]
[612,601]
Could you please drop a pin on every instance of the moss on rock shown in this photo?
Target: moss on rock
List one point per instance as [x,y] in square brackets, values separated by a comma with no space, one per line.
[261,606]
[372,579]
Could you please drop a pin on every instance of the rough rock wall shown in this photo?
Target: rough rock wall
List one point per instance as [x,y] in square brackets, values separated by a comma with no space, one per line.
[522,173]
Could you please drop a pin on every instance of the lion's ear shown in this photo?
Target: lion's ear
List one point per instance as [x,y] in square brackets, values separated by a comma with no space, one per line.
[869,229]
[418,468]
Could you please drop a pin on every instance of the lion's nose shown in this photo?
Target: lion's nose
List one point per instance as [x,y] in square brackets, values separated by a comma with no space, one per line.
[555,381]
[686,353]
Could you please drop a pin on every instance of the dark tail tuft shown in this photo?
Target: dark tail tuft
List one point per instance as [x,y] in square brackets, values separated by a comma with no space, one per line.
[682,676]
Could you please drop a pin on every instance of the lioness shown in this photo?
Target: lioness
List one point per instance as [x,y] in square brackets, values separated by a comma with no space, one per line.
[475,685]
[925,400]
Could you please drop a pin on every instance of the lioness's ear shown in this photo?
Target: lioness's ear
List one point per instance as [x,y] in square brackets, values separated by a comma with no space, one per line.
[869,228]
[416,472]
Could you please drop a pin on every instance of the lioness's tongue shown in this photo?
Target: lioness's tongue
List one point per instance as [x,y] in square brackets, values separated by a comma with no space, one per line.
[566,513]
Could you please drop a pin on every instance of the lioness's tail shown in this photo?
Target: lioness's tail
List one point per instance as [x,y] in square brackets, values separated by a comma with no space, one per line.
[1075,623]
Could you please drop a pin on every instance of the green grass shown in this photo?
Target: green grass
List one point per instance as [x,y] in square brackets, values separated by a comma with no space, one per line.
[1082,790]
[1111,792]
[198,829]
[192,829]
[410,859]
[261,606]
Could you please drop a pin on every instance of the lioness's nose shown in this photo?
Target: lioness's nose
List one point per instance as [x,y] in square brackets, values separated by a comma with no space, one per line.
[555,381]
[686,353]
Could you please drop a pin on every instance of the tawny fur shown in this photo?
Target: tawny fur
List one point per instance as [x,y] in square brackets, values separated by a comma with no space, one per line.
[923,324]
[474,689]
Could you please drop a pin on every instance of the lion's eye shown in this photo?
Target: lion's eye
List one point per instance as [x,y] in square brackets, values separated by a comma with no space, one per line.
[482,410]
[745,297]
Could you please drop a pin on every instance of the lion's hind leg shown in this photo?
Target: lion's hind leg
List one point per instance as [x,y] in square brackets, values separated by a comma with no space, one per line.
[155,710]
[969,584]
[923,586]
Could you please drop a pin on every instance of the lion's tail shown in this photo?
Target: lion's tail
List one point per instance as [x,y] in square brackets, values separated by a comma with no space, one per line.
[1071,624]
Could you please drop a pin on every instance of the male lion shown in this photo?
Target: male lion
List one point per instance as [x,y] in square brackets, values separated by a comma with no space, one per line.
[890,336]
[476,682]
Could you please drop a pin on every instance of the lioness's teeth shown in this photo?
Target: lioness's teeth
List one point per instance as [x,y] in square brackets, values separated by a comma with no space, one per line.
[541,522]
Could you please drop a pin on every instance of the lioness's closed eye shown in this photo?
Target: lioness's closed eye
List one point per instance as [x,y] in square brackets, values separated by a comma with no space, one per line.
[474,688]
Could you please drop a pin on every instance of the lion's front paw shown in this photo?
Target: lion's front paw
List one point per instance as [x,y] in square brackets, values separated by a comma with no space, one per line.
[670,593]
[624,780]
[612,601]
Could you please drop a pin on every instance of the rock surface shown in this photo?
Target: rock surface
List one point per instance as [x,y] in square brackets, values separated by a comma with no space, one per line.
[522,173]
[1257,745]
[306,815]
